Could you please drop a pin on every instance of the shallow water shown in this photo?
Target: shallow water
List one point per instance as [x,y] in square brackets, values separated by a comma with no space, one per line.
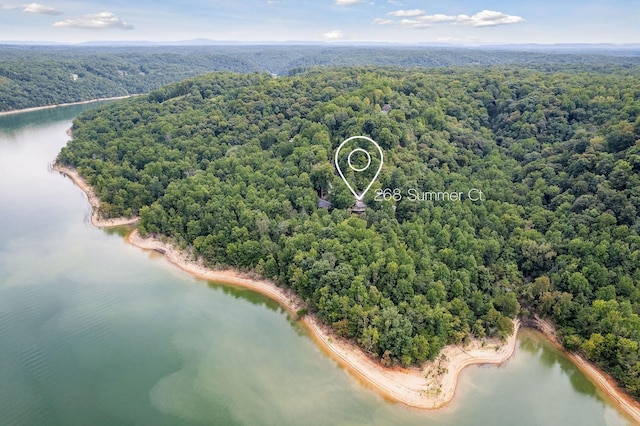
[95,331]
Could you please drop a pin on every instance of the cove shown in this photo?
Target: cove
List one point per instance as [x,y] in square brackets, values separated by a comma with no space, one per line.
[95,331]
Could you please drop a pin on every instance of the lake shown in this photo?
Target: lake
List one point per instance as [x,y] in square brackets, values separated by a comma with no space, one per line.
[95,331]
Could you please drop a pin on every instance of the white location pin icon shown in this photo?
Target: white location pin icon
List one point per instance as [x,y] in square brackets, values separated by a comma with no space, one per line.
[361,195]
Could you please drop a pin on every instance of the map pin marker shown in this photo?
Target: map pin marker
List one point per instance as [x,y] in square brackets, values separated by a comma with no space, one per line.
[358,168]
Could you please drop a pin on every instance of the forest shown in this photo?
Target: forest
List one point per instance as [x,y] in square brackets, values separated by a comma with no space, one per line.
[231,167]
[32,76]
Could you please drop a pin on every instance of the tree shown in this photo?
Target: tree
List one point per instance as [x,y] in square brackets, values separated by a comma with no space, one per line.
[322,176]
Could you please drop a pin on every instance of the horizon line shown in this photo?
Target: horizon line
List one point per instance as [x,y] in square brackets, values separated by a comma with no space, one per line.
[212,42]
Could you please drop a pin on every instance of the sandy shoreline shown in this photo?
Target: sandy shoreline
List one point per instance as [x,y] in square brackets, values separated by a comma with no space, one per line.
[96,220]
[19,111]
[428,387]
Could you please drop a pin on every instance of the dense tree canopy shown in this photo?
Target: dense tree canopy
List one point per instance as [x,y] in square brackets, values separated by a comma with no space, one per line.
[231,166]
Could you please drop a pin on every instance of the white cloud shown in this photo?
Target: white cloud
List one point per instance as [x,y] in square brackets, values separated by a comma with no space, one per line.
[99,21]
[413,23]
[438,18]
[333,35]
[40,8]
[32,8]
[405,13]
[488,18]
[381,21]
[397,3]
[485,18]
[417,18]
[347,2]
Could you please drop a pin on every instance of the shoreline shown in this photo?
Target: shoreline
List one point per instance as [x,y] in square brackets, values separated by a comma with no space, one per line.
[93,199]
[40,108]
[431,386]
[408,386]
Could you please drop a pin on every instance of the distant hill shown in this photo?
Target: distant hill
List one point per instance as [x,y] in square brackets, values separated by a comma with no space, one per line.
[32,76]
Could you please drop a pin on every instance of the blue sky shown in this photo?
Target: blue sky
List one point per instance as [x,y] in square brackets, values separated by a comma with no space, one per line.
[402,21]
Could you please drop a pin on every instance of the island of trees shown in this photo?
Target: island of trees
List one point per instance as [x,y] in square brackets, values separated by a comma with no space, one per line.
[231,167]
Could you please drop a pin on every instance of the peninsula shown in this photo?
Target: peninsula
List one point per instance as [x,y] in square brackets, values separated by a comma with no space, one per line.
[229,168]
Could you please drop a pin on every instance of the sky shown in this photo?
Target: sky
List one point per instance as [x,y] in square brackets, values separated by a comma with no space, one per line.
[469,22]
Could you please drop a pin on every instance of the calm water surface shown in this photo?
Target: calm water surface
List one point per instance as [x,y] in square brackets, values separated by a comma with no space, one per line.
[96,332]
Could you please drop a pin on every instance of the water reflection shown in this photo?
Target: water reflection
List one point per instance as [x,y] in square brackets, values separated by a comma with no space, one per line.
[11,124]
[250,296]
[121,231]
[536,344]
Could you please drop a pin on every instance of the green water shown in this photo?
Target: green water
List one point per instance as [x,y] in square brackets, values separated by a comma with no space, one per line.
[94,331]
